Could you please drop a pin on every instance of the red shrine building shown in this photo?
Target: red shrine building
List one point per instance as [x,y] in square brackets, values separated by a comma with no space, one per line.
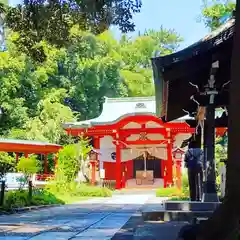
[132,141]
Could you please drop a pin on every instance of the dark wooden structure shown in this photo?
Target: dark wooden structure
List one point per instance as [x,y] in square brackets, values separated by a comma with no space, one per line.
[196,81]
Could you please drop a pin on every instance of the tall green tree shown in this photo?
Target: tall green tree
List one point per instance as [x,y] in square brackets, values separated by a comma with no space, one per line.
[38,20]
[70,84]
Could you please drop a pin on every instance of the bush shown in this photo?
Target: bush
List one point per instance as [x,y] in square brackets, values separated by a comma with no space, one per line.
[19,198]
[77,190]
[93,191]
[169,192]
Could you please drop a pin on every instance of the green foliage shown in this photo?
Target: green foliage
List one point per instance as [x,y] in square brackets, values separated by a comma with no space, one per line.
[37,21]
[28,166]
[185,184]
[68,164]
[68,190]
[71,82]
[169,192]
[216,12]
[19,198]
[7,164]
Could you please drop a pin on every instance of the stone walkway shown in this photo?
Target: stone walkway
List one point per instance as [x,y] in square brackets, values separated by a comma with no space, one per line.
[94,219]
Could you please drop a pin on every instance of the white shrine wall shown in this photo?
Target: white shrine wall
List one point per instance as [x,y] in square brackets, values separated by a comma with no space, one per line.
[107,148]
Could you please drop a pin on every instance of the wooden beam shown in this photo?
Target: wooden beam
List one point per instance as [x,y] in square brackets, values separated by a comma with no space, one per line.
[146,142]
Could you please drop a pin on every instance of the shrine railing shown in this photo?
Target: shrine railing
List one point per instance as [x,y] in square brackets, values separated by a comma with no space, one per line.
[44,177]
[109,184]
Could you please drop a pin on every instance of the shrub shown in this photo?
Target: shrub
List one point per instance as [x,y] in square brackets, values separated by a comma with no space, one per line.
[16,199]
[93,191]
[77,190]
[19,198]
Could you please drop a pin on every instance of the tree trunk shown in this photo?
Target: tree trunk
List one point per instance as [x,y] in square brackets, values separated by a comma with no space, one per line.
[225,220]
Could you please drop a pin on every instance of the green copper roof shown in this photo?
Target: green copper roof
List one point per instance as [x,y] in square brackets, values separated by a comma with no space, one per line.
[27,142]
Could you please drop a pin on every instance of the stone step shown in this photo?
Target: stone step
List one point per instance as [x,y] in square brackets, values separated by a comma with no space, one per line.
[185,216]
[190,206]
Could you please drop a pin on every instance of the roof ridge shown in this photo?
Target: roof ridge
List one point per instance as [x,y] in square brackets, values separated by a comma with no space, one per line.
[129,99]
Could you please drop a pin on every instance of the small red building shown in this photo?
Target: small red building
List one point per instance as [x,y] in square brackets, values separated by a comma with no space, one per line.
[126,131]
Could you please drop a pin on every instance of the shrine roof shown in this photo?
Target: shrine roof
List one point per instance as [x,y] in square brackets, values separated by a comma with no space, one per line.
[114,109]
[17,145]
[211,40]
[174,73]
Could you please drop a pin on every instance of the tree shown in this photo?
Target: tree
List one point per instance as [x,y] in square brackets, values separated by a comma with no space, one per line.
[215,13]
[83,149]
[38,20]
[28,166]
[70,84]
[7,164]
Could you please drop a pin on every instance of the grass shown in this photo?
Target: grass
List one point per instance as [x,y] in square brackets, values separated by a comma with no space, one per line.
[173,193]
[53,193]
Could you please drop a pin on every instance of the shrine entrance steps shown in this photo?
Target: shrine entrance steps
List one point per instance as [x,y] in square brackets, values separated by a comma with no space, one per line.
[158,183]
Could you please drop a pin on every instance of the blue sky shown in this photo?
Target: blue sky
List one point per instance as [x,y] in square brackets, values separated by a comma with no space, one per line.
[174,14]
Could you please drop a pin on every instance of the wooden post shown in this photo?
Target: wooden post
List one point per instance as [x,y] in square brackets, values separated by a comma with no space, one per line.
[26,155]
[2,192]
[17,156]
[45,163]
[93,178]
[163,172]
[179,173]
[118,166]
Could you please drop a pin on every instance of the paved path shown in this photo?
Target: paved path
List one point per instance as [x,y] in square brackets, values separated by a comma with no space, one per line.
[94,219]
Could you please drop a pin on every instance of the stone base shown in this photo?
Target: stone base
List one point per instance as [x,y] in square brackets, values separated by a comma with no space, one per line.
[185,216]
[190,206]
[210,197]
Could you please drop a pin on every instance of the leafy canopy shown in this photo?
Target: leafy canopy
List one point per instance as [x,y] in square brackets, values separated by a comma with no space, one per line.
[7,164]
[28,166]
[216,12]
[70,84]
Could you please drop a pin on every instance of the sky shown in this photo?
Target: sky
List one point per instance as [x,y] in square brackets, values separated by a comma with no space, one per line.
[172,14]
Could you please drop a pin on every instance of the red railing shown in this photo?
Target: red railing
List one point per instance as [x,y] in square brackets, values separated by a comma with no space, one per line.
[44,177]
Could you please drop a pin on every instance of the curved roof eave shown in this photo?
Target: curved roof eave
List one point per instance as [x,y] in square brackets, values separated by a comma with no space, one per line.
[210,41]
[94,122]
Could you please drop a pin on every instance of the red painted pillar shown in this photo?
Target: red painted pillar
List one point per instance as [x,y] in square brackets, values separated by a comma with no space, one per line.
[179,173]
[96,144]
[93,178]
[45,164]
[17,156]
[169,164]
[26,155]
[124,175]
[118,166]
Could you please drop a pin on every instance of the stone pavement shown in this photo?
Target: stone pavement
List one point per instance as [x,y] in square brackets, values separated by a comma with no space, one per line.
[93,219]
[117,218]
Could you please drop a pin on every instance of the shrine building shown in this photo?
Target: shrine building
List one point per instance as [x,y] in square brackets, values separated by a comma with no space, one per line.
[134,144]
